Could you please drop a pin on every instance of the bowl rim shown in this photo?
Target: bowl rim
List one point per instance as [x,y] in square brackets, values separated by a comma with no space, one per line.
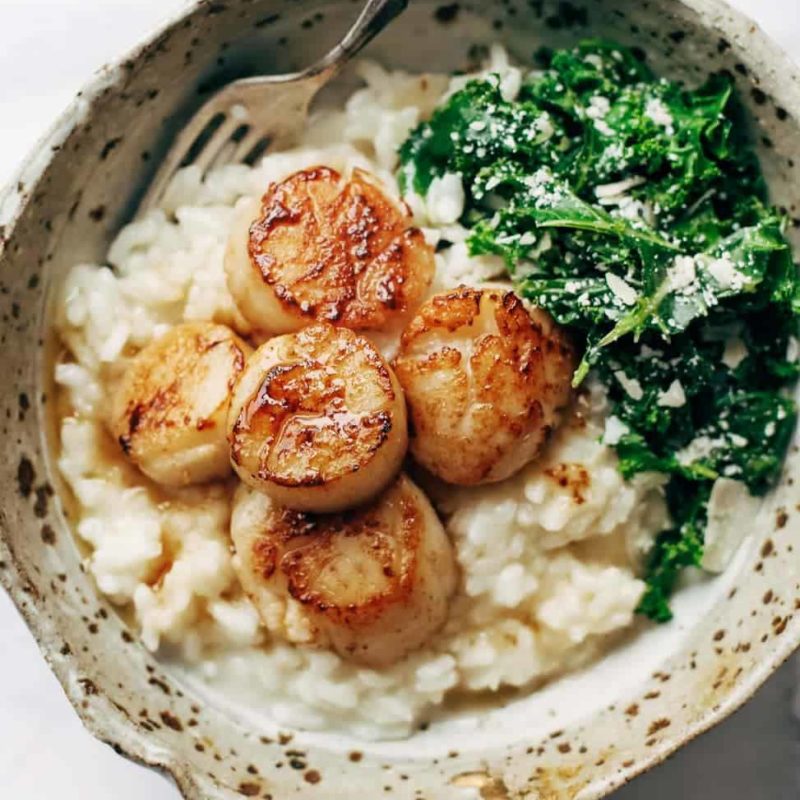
[717,16]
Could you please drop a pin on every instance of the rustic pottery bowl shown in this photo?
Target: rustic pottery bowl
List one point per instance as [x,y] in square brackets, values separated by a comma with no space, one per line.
[579,738]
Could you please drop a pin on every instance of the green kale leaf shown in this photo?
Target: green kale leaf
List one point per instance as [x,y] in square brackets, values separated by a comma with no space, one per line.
[633,209]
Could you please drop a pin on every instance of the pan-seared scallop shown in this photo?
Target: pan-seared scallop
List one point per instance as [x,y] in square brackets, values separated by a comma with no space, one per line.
[171,405]
[318,420]
[319,247]
[373,584]
[485,381]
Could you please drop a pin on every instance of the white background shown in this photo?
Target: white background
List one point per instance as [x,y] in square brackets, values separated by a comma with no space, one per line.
[48,49]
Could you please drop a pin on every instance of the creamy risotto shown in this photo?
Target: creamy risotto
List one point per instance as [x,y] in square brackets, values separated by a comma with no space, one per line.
[549,558]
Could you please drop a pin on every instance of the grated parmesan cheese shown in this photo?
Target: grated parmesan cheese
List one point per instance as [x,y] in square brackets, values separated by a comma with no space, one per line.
[659,113]
[724,272]
[681,273]
[598,108]
[699,448]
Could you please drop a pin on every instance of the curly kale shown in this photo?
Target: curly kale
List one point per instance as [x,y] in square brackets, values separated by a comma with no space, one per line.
[634,210]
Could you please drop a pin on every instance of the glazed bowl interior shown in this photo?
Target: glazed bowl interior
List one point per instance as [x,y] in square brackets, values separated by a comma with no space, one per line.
[580,736]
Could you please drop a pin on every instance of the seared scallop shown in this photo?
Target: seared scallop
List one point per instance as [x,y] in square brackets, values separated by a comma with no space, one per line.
[372,584]
[485,381]
[318,420]
[319,247]
[171,405]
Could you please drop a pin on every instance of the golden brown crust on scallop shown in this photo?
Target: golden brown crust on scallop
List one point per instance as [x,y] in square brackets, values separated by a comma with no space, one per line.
[484,379]
[316,408]
[172,402]
[299,424]
[304,547]
[339,250]
[373,583]
[157,390]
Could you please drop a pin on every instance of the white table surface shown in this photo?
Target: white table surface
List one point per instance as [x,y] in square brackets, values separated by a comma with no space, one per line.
[48,48]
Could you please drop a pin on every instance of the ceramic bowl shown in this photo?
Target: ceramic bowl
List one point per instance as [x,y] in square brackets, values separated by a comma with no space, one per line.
[579,738]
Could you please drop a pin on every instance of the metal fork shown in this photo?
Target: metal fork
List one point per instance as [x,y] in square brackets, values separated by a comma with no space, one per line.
[248,116]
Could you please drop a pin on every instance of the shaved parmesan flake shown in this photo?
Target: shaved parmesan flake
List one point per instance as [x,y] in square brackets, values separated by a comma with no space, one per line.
[631,386]
[622,291]
[445,199]
[510,84]
[603,127]
[628,208]
[673,397]
[615,429]
[792,349]
[594,60]
[735,352]
[619,188]
[729,505]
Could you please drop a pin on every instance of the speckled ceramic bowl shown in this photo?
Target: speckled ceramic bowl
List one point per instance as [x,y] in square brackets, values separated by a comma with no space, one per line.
[579,738]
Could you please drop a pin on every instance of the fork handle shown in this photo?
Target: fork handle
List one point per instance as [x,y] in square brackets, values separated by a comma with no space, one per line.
[374,17]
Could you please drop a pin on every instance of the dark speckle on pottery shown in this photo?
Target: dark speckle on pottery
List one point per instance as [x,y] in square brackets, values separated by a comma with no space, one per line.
[26,475]
[160,684]
[447,13]
[40,503]
[265,22]
[171,721]
[48,534]
[107,148]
